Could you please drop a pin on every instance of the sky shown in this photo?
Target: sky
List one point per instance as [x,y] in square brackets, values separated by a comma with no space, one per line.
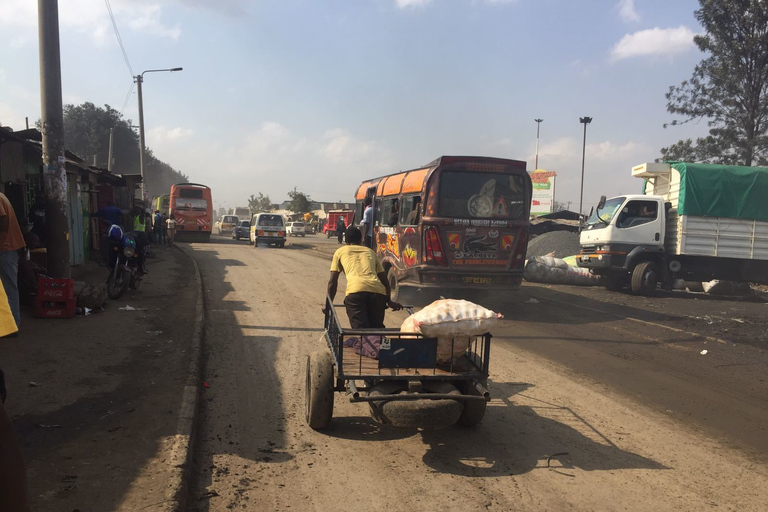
[322,94]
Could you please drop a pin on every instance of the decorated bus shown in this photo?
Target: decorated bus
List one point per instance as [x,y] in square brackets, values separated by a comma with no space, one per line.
[458,222]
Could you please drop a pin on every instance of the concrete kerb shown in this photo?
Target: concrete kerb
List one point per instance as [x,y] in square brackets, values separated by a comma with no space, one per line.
[180,458]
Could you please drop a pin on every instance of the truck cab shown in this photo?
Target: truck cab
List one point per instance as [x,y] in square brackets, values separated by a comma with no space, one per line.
[619,235]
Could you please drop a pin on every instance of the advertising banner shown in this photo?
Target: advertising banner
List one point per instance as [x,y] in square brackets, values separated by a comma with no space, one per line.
[542,201]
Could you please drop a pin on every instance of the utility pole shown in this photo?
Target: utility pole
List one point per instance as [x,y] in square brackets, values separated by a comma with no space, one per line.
[585,121]
[111,146]
[54,171]
[538,125]
[139,80]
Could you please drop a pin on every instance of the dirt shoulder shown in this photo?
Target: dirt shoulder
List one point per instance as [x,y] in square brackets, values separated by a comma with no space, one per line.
[95,400]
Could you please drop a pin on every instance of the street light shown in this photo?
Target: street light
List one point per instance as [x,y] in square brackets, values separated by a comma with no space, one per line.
[139,80]
[538,124]
[585,121]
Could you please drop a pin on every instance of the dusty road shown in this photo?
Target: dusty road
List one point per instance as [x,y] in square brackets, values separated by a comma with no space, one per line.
[599,403]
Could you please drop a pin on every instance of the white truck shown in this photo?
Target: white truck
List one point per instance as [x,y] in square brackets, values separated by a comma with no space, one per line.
[696,222]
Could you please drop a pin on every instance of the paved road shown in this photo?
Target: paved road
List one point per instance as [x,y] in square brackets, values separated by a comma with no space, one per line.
[599,402]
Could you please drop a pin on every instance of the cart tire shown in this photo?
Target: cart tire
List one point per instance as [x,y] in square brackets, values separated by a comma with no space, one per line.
[645,278]
[429,414]
[474,410]
[318,396]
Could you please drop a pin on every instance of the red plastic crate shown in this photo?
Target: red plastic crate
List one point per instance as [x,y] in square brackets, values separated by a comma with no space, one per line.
[55,309]
[50,289]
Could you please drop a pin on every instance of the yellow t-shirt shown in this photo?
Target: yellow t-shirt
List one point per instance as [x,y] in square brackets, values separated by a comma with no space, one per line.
[361,266]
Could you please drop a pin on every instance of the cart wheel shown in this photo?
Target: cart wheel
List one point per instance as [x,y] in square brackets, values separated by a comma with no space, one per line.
[428,414]
[474,410]
[318,397]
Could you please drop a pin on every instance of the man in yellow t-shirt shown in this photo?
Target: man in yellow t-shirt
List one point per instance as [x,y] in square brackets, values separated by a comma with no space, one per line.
[367,294]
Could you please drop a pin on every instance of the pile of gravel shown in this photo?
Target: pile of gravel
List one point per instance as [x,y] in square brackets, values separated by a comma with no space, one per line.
[559,244]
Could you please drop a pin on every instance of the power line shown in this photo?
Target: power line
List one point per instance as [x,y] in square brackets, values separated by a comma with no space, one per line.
[119,39]
[127,97]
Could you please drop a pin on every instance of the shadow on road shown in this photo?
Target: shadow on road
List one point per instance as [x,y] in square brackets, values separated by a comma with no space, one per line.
[533,437]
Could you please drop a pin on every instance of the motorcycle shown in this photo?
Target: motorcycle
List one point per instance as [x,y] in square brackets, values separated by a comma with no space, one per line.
[124,270]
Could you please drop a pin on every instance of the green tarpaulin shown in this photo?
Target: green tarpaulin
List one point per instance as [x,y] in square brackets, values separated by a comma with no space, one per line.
[723,191]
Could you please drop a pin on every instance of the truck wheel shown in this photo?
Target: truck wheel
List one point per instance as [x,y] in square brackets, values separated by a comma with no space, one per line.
[614,282]
[645,278]
[474,410]
[394,289]
[318,396]
[425,413]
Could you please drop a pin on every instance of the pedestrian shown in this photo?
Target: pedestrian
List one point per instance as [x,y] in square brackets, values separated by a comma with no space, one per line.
[340,228]
[367,292]
[142,238]
[11,241]
[367,224]
[36,217]
[157,226]
[164,228]
[170,229]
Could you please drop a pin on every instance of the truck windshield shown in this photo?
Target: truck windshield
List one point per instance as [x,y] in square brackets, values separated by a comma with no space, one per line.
[604,216]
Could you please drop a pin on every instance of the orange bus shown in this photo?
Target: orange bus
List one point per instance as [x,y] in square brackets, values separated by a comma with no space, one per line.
[459,222]
[192,208]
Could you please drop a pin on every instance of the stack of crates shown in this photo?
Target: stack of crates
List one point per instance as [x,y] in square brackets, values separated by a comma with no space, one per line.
[55,298]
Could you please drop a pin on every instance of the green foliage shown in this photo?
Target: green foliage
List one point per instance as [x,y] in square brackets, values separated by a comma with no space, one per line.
[729,88]
[260,203]
[86,133]
[300,202]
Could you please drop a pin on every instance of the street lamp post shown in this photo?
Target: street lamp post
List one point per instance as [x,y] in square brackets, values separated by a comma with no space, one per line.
[538,124]
[585,121]
[139,81]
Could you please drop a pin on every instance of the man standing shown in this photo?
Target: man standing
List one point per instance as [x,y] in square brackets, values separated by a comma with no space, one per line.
[367,223]
[367,293]
[340,228]
[11,240]
[157,227]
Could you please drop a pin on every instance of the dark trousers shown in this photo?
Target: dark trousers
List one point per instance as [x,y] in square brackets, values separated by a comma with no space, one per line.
[365,310]
[340,233]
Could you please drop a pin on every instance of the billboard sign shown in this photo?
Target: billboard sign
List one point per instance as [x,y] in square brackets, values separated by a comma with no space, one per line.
[543,199]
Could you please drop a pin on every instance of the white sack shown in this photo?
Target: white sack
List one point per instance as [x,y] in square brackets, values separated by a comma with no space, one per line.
[450,318]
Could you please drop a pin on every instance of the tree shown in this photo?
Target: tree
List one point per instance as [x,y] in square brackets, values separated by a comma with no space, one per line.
[259,204]
[86,133]
[729,88]
[300,202]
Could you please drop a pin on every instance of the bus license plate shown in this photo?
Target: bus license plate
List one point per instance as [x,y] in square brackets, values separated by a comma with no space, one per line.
[478,280]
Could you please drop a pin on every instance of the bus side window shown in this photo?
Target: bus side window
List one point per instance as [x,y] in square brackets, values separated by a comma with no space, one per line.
[410,209]
[389,212]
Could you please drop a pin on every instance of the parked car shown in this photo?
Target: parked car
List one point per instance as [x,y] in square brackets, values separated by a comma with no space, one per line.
[226,224]
[296,229]
[242,230]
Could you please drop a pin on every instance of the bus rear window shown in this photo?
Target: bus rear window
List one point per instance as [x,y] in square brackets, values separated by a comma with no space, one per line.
[193,193]
[471,195]
[190,204]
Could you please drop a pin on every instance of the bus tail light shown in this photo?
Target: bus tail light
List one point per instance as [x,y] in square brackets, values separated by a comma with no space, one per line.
[518,257]
[434,247]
